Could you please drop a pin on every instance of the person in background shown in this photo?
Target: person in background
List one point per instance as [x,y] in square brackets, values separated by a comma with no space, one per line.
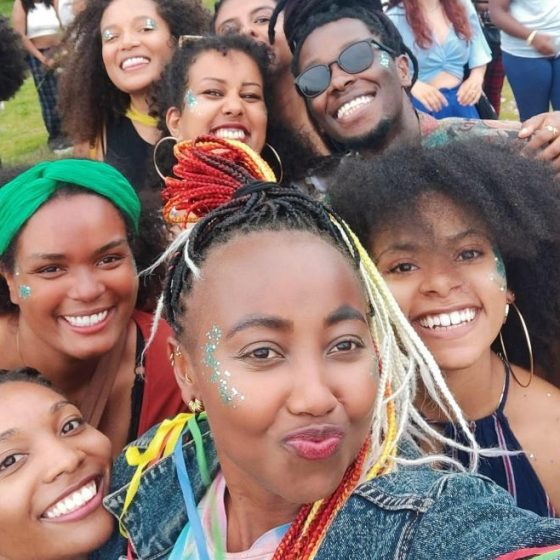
[531,52]
[494,76]
[39,26]
[445,36]
[120,49]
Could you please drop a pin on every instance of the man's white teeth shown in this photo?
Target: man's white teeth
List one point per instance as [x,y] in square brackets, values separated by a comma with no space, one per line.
[453,319]
[86,320]
[133,61]
[72,502]
[351,106]
[230,133]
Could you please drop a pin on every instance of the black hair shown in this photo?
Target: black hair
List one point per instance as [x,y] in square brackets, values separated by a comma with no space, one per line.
[91,102]
[302,17]
[295,152]
[516,199]
[270,208]
[30,4]
[13,67]
[26,375]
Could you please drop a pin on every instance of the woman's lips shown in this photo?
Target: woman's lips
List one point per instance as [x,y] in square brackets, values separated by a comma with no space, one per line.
[314,443]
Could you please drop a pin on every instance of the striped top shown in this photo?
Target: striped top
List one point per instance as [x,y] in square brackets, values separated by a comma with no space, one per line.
[514,473]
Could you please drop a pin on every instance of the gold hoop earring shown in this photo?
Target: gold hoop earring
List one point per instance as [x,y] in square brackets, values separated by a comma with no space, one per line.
[529,347]
[154,155]
[195,406]
[277,157]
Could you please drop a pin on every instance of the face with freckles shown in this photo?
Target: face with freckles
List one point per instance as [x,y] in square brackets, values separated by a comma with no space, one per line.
[362,110]
[224,96]
[283,361]
[448,278]
[54,470]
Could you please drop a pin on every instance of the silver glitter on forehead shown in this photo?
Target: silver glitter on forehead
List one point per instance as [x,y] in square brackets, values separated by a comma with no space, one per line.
[230,395]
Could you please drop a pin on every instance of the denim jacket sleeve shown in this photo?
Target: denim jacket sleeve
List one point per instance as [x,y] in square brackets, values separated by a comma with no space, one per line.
[423,514]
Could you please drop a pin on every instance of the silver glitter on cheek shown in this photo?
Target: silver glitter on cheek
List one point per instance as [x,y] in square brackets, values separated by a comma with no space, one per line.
[384,59]
[24,291]
[230,395]
[499,277]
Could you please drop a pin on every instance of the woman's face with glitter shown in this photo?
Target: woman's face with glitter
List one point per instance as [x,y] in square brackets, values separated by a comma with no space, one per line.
[224,96]
[448,278]
[136,44]
[279,350]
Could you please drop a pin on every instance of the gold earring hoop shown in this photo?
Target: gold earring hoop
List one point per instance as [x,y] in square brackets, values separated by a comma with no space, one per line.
[154,155]
[529,347]
[277,157]
[195,406]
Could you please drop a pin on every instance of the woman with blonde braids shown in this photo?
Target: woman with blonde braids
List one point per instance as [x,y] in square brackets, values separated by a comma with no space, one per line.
[299,370]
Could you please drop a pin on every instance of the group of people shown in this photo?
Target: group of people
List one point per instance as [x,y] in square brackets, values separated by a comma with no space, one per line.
[274,309]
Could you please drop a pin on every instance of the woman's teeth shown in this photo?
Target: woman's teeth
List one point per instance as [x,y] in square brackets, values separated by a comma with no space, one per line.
[453,319]
[133,61]
[230,133]
[351,106]
[87,320]
[73,502]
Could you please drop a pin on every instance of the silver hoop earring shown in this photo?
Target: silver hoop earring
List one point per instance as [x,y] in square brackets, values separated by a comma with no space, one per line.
[277,157]
[158,144]
[529,347]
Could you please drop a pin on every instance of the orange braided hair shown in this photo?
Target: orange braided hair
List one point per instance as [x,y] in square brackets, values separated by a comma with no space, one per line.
[208,172]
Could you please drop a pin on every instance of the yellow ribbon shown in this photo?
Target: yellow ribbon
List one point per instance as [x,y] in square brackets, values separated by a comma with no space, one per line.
[170,430]
[139,117]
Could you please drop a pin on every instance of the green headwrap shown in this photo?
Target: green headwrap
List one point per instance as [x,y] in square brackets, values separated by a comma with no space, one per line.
[24,195]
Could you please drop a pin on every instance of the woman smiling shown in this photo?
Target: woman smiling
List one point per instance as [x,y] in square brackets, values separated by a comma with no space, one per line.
[67,308]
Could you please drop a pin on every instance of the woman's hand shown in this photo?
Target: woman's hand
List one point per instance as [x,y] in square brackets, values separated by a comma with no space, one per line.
[544,44]
[470,90]
[429,96]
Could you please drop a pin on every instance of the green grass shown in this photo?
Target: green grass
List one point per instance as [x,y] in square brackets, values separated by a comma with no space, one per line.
[23,136]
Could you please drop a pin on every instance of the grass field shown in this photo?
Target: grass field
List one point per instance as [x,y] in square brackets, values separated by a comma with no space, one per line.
[23,136]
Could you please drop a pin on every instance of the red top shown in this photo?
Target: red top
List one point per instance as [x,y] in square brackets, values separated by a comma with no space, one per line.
[162,397]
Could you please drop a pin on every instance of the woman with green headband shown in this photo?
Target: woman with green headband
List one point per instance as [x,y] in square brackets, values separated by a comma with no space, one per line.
[68,291]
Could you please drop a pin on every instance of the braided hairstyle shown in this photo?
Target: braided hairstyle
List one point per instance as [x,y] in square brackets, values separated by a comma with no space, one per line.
[402,357]
[302,17]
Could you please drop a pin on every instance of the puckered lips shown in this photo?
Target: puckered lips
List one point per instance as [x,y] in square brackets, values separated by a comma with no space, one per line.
[77,502]
[316,442]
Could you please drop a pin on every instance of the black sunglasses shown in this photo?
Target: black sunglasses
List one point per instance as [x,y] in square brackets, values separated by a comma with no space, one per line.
[355,58]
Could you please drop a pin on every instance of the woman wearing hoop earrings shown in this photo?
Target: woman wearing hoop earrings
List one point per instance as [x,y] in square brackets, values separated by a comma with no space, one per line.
[220,86]
[475,270]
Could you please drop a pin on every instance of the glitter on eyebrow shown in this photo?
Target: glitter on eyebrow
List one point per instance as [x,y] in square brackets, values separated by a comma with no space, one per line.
[230,395]
[107,34]
[150,23]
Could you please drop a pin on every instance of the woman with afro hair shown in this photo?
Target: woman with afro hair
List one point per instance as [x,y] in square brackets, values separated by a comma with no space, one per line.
[468,239]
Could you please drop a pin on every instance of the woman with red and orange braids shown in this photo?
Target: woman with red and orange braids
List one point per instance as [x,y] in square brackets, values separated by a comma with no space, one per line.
[445,36]
[300,372]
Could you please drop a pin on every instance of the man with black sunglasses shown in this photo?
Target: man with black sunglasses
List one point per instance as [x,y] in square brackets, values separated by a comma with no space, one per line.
[355,73]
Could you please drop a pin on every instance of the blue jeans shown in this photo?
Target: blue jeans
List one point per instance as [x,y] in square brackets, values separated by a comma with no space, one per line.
[535,83]
[453,109]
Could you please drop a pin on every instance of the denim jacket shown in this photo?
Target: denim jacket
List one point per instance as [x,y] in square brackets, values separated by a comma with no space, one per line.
[413,513]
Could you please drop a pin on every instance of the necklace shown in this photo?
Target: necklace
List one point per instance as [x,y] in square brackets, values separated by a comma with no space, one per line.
[143,118]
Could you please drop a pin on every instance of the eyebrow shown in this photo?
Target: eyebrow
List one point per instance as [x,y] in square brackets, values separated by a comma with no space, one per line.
[344,313]
[263,321]
[407,246]
[59,256]
[222,81]
[52,410]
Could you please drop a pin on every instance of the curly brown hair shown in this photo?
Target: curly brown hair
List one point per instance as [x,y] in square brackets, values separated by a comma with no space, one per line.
[88,100]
